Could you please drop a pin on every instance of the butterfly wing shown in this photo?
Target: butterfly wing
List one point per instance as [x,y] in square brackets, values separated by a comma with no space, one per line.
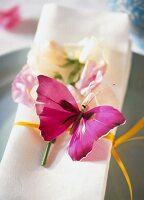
[81,142]
[95,123]
[56,107]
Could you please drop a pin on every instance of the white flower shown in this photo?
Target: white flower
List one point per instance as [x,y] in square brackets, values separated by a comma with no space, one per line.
[47,58]
[93,50]
[89,48]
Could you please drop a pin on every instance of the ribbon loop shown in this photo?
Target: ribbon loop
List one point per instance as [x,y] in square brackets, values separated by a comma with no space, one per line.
[133,131]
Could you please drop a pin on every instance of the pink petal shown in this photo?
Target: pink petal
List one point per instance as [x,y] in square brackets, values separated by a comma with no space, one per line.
[22,85]
[96,123]
[56,107]
[92,76]
[10,18]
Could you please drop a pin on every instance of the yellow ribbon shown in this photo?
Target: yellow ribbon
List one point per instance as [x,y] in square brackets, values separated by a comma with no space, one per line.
[115,143]
[27,124]
[128,136]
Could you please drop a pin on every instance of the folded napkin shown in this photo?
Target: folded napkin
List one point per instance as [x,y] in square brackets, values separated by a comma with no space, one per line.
[21,176]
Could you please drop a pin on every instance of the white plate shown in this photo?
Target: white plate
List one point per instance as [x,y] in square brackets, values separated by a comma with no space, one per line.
[10,64]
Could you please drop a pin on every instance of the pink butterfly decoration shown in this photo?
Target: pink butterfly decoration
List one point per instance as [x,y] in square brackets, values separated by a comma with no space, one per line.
[10,18]
[91,77]
[22,86]
[58,110]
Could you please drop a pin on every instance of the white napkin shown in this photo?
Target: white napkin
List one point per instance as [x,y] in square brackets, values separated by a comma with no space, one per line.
[21,176]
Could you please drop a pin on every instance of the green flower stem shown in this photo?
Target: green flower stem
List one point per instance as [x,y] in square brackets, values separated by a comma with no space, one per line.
[47,149]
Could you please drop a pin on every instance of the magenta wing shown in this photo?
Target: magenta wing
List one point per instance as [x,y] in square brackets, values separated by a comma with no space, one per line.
[81,142]
[56,107]
[95,123]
